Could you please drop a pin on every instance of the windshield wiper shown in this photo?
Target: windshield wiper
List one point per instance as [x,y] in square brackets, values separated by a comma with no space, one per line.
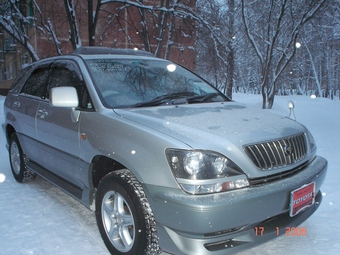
[202,98]
[165,99]
[178,98]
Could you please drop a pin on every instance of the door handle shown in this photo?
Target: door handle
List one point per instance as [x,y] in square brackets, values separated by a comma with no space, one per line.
[42,114]
[16,104]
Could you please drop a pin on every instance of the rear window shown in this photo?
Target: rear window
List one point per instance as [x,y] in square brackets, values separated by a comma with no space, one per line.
[36,84]
[20,76]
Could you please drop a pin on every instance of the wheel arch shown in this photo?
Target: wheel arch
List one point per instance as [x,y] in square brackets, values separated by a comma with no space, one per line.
[9,130]
[100,166]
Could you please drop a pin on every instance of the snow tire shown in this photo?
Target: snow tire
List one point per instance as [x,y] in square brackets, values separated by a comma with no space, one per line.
[18,160]
[124,216]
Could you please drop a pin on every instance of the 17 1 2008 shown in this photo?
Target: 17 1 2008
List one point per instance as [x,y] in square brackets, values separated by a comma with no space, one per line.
[289,231]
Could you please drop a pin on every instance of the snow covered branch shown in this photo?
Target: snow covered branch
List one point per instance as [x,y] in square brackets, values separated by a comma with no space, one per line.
[74,30]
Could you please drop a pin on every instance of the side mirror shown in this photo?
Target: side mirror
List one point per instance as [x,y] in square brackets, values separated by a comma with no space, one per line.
[64,97]
[291,112]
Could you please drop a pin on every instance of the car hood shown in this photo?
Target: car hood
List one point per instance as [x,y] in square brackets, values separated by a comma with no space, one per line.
[200,125]
[220,127]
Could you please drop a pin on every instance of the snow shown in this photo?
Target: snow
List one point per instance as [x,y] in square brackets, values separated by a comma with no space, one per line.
[322,117]
[37,218]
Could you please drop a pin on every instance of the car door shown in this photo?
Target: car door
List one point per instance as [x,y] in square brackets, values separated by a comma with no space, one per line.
[58,132]
[24,108]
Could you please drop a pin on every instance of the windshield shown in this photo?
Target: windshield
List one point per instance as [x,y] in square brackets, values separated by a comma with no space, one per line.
[142,83]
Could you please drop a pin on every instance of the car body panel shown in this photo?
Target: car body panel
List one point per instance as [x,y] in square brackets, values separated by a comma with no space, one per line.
[210,128]
[235,242]
[228,213]
[216,212]
[58,142]
[24,108]
[143,152]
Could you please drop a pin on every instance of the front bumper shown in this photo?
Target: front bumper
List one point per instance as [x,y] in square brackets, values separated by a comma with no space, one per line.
[224,223]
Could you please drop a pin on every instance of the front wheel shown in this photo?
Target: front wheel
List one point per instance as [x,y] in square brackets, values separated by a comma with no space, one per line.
[17,161]
[124,216]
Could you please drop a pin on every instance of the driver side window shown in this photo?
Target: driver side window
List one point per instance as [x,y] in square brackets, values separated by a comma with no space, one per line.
[64,77]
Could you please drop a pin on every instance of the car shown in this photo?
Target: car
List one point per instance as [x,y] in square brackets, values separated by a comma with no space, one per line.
[166,161]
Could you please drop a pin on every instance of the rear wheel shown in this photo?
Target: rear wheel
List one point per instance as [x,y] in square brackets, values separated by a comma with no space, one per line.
[17,161]
[124,217]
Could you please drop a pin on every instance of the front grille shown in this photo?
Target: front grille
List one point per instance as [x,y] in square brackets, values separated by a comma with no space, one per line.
[278,153]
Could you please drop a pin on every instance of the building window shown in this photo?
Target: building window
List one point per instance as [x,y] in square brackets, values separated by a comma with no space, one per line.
[25,58]
[15,70]
[9,73]
[4,76]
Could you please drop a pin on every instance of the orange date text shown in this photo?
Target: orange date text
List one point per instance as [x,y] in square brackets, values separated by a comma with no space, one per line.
[288,231]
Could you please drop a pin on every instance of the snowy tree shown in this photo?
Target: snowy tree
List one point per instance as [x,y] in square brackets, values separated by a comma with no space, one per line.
[249,45]
[217,44]
[272,28]
[321,48]
[73,23]
[15,23]
[22,20]
[161,25]
[315,67]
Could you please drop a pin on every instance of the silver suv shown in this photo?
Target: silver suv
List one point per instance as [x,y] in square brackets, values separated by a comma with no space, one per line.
[166,161]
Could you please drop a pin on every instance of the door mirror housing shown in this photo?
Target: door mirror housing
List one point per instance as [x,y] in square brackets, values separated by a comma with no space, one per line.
[64,97]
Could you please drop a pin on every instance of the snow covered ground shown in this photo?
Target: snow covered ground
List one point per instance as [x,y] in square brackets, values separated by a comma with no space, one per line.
[37,218]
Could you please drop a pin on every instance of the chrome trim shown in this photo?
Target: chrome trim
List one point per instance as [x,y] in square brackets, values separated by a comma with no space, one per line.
[278,153]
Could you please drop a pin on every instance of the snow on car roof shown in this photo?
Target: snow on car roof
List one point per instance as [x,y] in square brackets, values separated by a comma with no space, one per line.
[110,51]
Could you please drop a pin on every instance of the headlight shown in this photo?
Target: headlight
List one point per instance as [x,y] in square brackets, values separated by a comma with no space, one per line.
[202,172]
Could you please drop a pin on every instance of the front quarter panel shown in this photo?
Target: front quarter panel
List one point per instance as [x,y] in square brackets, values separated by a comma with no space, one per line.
[138,148]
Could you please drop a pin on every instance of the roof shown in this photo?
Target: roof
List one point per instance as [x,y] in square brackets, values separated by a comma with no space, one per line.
[92,50]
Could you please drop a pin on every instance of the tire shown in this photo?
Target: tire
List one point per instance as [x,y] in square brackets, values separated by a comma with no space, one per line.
[124,216]
[17,160]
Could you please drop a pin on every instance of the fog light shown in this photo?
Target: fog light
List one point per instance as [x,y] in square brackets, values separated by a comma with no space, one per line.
[214,187]
[235,184]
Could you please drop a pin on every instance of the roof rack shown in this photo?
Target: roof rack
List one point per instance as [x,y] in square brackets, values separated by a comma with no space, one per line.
[94,50]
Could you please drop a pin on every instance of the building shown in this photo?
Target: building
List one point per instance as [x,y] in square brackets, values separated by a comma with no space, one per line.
[46,26]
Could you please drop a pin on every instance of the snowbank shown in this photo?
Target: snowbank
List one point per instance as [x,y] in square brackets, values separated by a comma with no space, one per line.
[37,218]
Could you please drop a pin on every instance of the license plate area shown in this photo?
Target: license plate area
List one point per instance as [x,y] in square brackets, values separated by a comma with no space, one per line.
[302,198]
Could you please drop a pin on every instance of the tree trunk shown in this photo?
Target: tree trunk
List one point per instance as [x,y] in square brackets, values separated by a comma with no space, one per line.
[71,17]
[231,54]
[92,18]
[264,95]
[230,75]
[270,101]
